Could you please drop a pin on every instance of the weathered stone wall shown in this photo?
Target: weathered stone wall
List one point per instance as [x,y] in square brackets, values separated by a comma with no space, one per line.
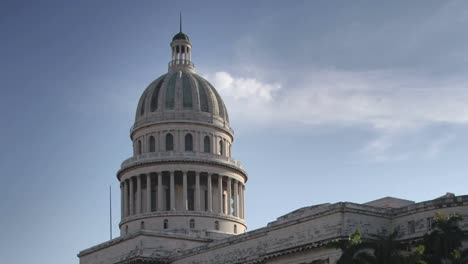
[140,244]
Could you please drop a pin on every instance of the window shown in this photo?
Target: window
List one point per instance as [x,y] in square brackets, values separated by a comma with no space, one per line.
[216,225]
[429,223]
[221,147]
[140,150]
[152,144]
[126,229]
[192,223]
[188,142]
[166,224]
[169,142]
[206,144]
[142,225]
[411,227]
[235,229]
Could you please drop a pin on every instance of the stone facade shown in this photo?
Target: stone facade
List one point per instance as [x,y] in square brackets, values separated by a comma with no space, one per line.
[298,237]
[182,193]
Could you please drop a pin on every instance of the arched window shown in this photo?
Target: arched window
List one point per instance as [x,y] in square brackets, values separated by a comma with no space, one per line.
[152,144]
[206,144]
[140,149]
[235,229]
[192,223]
[169,142]
[216,225]
[166,224]
[142,225]
[221,148]
[126,229]
[188,142]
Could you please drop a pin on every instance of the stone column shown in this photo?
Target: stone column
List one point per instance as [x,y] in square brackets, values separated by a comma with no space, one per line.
[210,194]
[160,141]
[132,196]
[126,198]
[214,145]
[138,196]
[236,199]
[148,192]
[160,192]
[121,200]
[197,191]
[176,140]
[172,190]
[184,191]
[229,195]
[243,201]
[220,194]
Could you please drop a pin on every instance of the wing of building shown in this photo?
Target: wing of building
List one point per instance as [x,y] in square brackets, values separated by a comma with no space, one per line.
[182,193]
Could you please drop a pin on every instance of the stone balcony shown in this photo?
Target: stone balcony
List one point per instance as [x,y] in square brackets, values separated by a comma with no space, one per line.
[181,156]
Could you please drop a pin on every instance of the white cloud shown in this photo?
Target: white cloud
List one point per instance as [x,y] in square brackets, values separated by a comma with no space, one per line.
[382,100]
[391,104]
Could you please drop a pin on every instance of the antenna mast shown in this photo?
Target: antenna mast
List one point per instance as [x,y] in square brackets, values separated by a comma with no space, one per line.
[110,211]
[180,22]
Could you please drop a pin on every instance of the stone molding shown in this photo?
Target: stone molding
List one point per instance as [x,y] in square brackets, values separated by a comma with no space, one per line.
[183,213]
[149,159]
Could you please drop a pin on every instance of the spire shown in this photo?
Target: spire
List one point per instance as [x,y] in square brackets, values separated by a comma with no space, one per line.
[180,22]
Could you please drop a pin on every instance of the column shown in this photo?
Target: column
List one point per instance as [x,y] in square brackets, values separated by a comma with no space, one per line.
[184,191]
[243,201]
[138,195]
[124,199]
[132,196]
[148,192]
[210,195]
[236,199]
[160,192]
[229,195]
[197,191]
[220,194]
[127,195]
[182,141]
[160,141]
[214,145]
[122,210]
[172,175]
[176,140]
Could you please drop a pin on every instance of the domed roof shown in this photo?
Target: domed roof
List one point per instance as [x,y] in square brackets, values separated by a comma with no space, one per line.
[180,36]
[180,96]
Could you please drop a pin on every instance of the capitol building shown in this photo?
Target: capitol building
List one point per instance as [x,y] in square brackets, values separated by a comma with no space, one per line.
[182,191]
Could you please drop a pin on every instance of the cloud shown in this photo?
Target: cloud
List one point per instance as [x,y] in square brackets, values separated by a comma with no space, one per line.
[392,104]
[384,101]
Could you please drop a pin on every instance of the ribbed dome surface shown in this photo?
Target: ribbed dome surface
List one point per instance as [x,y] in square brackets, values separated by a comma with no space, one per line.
[181,95]
[180,36]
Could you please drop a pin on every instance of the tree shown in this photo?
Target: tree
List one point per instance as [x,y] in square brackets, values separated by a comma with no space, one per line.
[383,250]
[443,243]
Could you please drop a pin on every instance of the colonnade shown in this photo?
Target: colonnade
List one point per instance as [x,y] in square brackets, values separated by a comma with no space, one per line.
[182,191]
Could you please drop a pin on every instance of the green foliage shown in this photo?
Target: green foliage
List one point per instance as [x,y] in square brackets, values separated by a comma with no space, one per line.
[443,243]
[441,246]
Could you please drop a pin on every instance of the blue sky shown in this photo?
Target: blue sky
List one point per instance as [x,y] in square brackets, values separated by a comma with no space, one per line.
[330,101]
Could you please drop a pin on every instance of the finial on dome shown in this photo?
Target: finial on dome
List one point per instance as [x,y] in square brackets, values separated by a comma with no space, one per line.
[180,22]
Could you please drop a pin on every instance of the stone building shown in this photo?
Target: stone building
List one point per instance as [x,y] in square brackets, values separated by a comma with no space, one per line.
[182,193]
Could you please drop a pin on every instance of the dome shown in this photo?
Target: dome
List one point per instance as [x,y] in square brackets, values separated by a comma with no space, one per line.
[180,96]
[180,36]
